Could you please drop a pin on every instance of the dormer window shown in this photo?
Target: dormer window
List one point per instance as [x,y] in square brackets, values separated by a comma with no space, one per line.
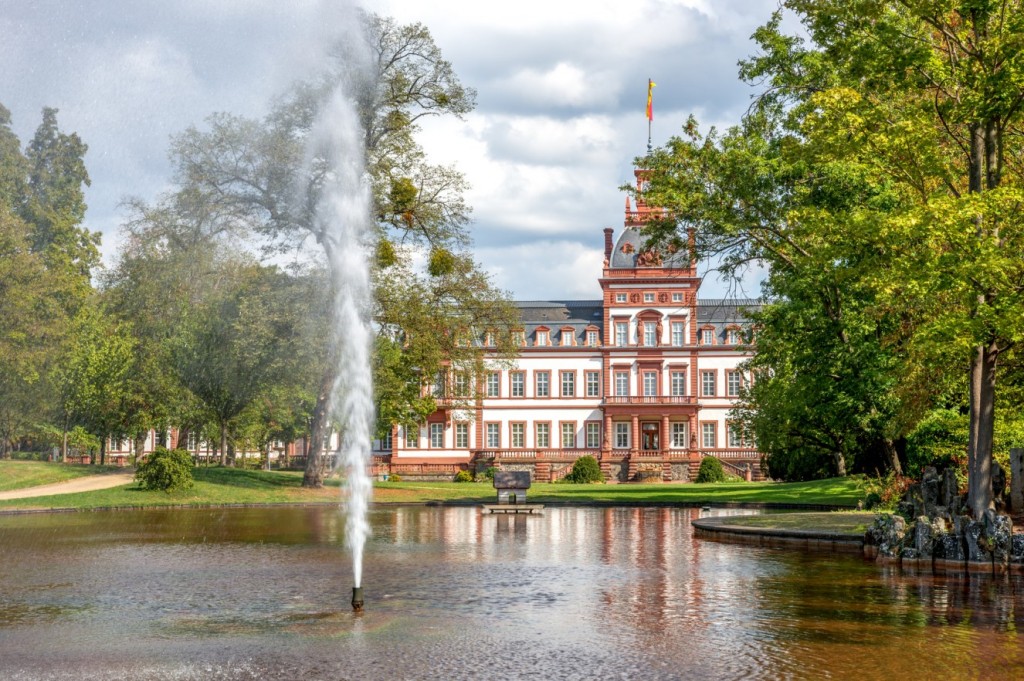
[568,336]
[707,337]
[519,338]
[732,336]
[592,338]
[542,339]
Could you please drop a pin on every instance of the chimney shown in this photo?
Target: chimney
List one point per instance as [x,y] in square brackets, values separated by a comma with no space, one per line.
[608,243]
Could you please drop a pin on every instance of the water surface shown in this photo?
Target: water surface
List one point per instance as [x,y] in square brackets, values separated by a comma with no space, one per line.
[452,594]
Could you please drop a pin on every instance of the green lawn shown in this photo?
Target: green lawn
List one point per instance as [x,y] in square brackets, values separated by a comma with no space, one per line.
[844,522]
[19,474]
[232,486]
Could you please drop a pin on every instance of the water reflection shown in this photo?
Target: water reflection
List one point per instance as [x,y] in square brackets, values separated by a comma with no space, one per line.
[575,593]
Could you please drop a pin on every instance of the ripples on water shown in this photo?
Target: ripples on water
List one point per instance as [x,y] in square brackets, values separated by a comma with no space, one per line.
[452,594]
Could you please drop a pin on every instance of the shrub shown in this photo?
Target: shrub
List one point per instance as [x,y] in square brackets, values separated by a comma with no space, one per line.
[584,470]
[166,470]
[489,473]
[710,470]
[463,476]
[394,477]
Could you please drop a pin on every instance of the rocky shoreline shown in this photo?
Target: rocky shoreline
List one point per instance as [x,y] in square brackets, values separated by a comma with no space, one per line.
[939,534]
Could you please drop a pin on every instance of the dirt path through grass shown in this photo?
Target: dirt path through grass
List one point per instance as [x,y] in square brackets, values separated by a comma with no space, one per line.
[88,483]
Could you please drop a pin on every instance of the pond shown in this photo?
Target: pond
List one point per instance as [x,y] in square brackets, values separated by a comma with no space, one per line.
[576,593]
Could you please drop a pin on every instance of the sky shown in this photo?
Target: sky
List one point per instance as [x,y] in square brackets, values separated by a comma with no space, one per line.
[560,116]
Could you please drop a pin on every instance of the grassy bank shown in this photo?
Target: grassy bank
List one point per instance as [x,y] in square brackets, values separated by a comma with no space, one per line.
[846,522]
[21,474]
[232,486]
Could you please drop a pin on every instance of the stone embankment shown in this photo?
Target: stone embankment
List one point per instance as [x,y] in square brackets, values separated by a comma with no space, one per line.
[941,535]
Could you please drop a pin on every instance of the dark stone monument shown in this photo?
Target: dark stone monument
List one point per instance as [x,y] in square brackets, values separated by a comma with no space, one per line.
[1017,479]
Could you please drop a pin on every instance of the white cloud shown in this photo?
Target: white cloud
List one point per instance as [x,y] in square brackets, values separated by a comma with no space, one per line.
[546,270]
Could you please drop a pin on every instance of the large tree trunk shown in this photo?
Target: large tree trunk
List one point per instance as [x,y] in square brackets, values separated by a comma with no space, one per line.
[982,429]
[103,451]
[892,456]
[315,468]
[840,463]
[223,443]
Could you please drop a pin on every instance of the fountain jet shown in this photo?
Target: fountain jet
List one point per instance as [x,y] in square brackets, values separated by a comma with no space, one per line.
[357,599]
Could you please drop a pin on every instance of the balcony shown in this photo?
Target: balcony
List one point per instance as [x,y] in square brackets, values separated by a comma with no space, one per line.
[650,399]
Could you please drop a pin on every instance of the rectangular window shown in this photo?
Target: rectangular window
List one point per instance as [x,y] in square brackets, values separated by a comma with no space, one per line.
[412,437]
[622,383]
[621,334]
[648,297]
[650,383]
[494,384]
[568,435]
[650,334]
[677,297]
[679,430]
[543,435]
[735,435]
[568,384]
[542,338]
[437,389]
[708,435]
[733,380]
[543,384]
[437,435]
[593,379]
[386,442]
[519,338]
[494,435]
[567,337]
[518,434]
[593,435]
[678,383]
[460,382]
[620,297]
[707,337]
[732,336]
[677,334]
[462,436]
[622,435]
[518,379]
[592,338]
[707,383]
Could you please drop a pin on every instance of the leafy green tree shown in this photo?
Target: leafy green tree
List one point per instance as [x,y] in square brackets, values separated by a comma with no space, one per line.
[93,377]
[55,201]
[239,177]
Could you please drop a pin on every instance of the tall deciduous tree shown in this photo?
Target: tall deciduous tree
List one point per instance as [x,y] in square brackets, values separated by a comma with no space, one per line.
[248,176]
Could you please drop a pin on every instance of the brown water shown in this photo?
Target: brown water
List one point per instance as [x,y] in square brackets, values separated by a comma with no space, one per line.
[452,594]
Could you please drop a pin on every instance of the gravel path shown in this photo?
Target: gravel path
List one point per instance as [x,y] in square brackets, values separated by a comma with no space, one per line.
[89,483]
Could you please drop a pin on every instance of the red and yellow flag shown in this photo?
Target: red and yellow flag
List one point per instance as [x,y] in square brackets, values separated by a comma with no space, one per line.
[650,99]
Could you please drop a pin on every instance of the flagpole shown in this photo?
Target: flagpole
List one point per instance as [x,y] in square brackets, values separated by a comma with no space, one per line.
[650,112]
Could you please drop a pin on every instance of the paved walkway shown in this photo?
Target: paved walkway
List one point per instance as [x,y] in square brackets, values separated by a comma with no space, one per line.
[89,483]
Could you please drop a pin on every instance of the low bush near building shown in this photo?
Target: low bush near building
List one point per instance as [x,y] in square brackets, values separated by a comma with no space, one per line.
[463,476]
[166,470]
[584,470]
[710,470]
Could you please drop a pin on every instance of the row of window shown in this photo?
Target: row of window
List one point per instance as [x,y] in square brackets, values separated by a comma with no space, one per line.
[647,331]
[567,383]
[648,297]
[568,437]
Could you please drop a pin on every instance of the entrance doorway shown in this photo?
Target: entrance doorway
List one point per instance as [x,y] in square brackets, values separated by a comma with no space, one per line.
[649,436]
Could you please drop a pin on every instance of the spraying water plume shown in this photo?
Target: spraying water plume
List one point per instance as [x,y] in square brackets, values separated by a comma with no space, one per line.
[336,142]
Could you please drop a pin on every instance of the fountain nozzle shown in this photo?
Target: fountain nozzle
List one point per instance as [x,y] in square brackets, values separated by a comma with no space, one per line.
[357,599]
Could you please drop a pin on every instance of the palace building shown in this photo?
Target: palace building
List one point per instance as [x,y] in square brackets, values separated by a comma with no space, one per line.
[642,379]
